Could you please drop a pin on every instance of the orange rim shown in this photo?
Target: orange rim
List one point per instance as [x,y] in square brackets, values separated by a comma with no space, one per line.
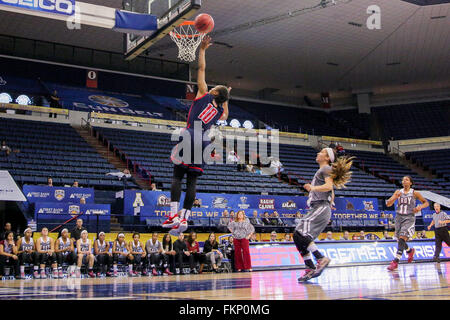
[186,23]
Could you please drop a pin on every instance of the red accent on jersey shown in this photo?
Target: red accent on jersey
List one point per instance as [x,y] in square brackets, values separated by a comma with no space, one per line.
[208,113]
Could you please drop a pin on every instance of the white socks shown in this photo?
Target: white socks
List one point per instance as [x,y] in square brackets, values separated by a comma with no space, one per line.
[185,214]
[174,208]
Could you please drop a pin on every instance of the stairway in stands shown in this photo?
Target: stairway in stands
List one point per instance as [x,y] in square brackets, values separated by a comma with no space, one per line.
[101,149]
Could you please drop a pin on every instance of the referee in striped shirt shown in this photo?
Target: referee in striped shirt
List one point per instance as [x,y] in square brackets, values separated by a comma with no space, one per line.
[440,220]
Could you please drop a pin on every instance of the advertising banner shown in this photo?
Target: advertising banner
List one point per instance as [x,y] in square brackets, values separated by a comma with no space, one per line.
[57,194]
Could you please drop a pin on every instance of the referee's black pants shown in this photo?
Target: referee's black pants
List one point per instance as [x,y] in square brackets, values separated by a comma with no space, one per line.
[441,235]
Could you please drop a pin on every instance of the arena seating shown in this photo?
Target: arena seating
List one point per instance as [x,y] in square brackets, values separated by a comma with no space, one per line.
[300,162]
[416,120]
[438,161]
[50,149]
[151,151]
[384,166]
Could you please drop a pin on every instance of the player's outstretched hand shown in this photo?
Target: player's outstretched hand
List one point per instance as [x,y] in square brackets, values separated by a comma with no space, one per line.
[206,43]
[307,187]
[397,194]
[416,209]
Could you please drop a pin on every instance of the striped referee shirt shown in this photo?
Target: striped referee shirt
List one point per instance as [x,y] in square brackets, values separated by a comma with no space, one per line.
[441,216]
[242,229]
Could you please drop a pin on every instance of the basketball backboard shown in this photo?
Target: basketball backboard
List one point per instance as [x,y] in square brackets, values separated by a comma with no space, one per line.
[170,13]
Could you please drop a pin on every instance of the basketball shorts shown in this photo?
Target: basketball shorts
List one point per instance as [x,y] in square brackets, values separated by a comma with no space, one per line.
[405,225]
[192,165]
[316,220]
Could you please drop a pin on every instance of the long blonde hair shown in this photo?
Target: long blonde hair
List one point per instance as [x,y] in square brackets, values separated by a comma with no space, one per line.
[340,171]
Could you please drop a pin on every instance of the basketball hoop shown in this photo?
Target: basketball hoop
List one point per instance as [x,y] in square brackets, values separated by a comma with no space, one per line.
[187,39]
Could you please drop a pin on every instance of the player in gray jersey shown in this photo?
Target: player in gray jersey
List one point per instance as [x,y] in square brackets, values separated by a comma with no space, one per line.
[120,252]
[85,256]
[27,252]
[45,248]
[65,251]
[102,255]
[333,172]
[137,256]
[405,218]
[440,221]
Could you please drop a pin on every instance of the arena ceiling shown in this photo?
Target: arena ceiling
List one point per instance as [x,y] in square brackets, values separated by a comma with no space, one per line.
[330,49]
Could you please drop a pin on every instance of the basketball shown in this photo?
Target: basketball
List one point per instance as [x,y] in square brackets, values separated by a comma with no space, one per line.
[204,23]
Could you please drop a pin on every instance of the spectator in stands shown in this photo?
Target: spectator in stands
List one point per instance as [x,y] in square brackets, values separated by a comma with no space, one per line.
[253,237]
[298,216]
[340,150]
[138,255]
[124,176]
[6,229]
[182,253]
[277,219]
[266,219]
[194,249]
[75,234]
[362,235]
[54,100]
[224,221]
[373,237]
[65,251]
[386,235]
[424,234]
[49,182]
[102,255]
[196,204]
[345,236]
[155,255]
[26,251]
[8,255]
[391,222]
[229,251]
[169,254]
[382,220]
[5,149]
[241,228]
[85,256]
[255,221]
[329,236]
[211,250]
[153,187]
[82,200]
[75,184]
[288,238]
[273,237]
[232,215]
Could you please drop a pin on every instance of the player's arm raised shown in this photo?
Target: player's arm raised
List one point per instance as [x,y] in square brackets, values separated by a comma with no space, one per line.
[225,108]
[421,199]
[201,80]
[326,187]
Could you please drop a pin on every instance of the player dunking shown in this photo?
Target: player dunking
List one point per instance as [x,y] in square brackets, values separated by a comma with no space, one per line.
[405,218]
[332,172]
[207,108]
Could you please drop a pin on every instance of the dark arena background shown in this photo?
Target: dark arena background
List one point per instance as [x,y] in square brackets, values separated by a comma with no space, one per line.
[93,97]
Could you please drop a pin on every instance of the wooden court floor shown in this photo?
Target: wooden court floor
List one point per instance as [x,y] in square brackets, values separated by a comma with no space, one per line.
[423,281]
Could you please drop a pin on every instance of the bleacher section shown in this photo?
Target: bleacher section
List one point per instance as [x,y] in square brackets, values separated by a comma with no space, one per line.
[417,120]
[151,151]
[50,149]
[438,161]
[299,161]
[384,166]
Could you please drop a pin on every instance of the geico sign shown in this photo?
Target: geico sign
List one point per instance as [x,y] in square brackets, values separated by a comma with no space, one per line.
[55,6]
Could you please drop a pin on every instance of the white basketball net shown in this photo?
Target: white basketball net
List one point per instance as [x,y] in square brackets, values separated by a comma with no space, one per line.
[187,39]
